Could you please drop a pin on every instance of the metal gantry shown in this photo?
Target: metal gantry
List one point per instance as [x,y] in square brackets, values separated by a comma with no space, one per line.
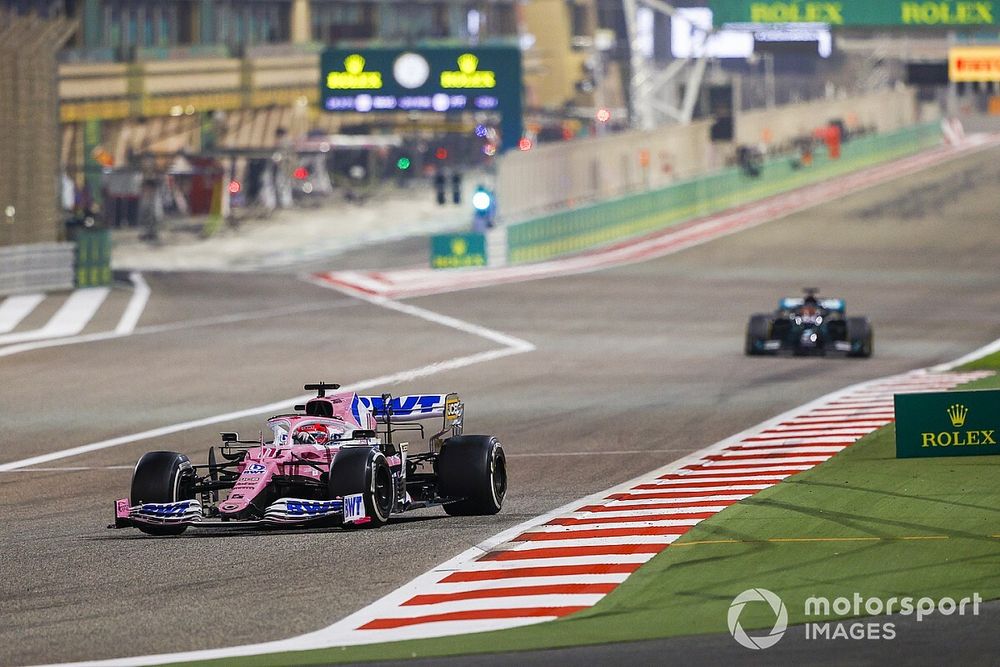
[653,102]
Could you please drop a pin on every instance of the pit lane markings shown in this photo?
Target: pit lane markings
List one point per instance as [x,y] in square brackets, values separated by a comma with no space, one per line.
[405,283]
[177,326]
[16,308]
[71,318]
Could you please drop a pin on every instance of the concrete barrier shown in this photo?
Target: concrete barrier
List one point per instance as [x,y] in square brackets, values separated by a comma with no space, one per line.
[884,111]
[577,229]
[36,267]
[569,174]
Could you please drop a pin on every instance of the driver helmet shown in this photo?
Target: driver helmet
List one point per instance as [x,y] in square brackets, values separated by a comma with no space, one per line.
[311,434]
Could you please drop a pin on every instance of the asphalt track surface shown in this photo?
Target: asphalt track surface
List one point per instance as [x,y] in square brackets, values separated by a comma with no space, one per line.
[634,368]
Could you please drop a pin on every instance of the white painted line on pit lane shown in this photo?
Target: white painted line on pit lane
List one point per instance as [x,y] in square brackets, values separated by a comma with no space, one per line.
[137,304]
[69,320]
[42,339]
[173,326]
[16,308]
[513,346]
[431,316]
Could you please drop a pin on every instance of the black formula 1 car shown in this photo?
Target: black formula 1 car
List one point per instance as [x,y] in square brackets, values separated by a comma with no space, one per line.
[809,325]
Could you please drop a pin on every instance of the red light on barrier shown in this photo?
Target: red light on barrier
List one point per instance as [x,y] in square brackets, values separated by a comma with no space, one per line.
[301,173]
[603,115]
[524,144]
[234,187]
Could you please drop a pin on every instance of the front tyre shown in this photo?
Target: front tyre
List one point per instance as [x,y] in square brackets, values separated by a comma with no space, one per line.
[474,468]
[758,332]
[365,471]
[862,337]
[162,477]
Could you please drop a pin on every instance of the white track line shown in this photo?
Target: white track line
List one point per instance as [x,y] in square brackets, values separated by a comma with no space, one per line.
[512,346]
[69,320]
[40,339]
[16,308]
[137,304]
[173,326]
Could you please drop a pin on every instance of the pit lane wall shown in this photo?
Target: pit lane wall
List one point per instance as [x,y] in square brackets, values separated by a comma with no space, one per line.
[580,228]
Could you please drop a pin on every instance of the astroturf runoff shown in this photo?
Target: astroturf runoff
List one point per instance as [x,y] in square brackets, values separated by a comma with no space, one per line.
[863,525]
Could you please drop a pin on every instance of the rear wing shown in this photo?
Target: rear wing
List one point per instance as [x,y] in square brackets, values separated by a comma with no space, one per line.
[415,407]
[790,303]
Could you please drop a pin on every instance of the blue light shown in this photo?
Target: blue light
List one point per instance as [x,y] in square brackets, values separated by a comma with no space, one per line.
[481,201]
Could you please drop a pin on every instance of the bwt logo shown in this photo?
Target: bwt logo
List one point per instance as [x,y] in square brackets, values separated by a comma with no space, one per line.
[354,507]
[403,405]
[306,508]
[176,509]
[254,469]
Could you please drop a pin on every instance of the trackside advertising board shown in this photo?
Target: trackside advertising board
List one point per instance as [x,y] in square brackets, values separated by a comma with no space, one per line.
[458,251]
[907,13]
[974,63]
[953,423]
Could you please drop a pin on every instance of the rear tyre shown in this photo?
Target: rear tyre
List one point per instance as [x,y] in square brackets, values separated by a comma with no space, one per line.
[365,471]
[862,337]
[162,477]
[758,331]
[474,468]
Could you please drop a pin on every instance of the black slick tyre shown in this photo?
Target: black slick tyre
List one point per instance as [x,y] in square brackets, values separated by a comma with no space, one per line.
[365,471]
[758,331]
[862,337]
[161,477]
[473,468]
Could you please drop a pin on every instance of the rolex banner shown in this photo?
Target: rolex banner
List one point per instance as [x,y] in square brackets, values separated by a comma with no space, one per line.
[953,423]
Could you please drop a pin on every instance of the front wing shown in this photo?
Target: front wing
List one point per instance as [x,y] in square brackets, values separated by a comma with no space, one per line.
[282,512]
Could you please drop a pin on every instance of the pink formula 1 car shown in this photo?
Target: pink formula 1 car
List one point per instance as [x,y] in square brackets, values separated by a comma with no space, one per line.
[335,462]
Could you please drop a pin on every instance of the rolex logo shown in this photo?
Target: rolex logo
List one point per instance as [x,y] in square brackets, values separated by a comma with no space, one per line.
[957,413]
[354,64]
[467,63]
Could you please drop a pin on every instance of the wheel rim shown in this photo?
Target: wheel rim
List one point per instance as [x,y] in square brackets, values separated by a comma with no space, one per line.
[382,491]
[498,473]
